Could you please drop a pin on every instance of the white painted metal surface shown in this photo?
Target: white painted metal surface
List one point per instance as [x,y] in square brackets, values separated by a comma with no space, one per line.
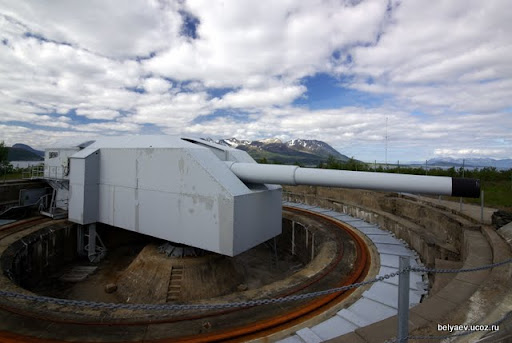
[293,175]
[177,189]
[56,162]
[198,193]
[380,300]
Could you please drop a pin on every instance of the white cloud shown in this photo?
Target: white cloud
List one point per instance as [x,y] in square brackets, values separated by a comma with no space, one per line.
[156,85]
[93,113]
[250,98]
[113,28]
[473,152]
[449,54]
[121,65]
[170,111]
[118,127]
[258,40]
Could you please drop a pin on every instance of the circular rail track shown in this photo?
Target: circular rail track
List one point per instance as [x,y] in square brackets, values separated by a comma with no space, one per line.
[25,322]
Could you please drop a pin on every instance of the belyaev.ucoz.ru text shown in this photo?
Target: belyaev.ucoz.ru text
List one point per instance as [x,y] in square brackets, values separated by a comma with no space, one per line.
[467,327]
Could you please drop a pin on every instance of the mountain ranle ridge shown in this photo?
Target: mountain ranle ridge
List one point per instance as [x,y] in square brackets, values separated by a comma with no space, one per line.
[303,151]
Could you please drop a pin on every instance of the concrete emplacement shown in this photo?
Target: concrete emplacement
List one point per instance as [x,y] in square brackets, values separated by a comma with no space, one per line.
[310,254]
[444,238]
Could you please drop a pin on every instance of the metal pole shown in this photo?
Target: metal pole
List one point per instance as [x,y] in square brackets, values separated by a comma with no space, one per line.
[293,238]
[307,237]
[463,162]
[403,300]
[312,246]
[91,251]
[482,206]
[275,251]
[80,236]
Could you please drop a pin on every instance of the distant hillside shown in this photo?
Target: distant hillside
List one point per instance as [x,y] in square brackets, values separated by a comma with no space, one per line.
[29,148]
[470,162]
[17,154]
[303,151]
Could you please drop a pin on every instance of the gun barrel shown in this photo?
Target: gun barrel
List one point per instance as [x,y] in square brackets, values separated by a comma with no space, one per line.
[294,175]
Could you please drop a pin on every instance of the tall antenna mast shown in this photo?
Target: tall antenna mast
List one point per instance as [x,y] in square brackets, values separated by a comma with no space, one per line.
[386,149]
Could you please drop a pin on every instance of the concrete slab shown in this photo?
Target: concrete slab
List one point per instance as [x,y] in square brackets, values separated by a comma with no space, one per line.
[354,221]
[348,338]
[308,336]
[386,239]
[415,277]
[475,249]
[392,260]
[343,217]
[386,329]
[475,278]
[384,293]
[371,310]
[457,291]
[291,339]
[333,327]
[372,231]
[392,249]
[353,318]
[434,308]
[442,279]
[323,210]
[500,248]
[506,233]
[331,213]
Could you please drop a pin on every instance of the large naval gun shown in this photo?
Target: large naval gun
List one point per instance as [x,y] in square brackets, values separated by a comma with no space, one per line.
[194,192]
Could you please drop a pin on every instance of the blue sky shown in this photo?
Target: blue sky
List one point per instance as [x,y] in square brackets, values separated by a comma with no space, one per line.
[437,72]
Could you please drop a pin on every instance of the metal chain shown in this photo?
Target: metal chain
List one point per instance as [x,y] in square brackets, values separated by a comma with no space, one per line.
[157,307]
[250,303]
[464,270]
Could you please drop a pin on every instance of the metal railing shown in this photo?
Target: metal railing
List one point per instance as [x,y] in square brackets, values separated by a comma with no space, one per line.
[46,172]
[403,306]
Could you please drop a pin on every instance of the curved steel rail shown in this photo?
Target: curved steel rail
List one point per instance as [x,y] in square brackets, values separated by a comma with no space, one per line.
[256,329]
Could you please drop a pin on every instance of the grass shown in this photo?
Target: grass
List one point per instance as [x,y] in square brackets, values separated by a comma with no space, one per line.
[497,194]
[12,176]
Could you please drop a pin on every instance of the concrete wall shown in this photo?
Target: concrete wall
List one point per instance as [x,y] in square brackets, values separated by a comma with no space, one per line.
[10,191]
[438,234]
[30,260]
[432,232]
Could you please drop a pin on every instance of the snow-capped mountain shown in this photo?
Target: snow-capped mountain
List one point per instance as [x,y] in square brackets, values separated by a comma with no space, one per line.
[233,142]
[315,146]
[307,152]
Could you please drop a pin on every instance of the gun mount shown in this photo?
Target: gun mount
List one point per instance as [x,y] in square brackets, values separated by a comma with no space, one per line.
[190,191]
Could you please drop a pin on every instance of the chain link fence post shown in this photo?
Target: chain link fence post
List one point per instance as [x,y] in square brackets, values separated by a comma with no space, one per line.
[403,299]
[482,206]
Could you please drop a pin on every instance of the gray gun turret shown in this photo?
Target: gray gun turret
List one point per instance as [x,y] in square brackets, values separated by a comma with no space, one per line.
[194,192]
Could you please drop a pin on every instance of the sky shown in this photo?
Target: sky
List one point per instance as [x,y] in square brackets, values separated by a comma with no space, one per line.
[423,78]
